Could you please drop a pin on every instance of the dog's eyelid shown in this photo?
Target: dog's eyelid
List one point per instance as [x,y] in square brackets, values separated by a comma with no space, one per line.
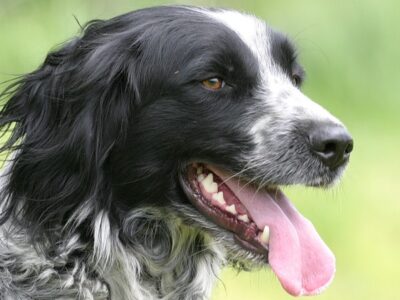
[213,83]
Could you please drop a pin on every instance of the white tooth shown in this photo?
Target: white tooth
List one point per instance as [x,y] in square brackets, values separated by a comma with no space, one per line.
[209,178]
[244,218]
[231,209]
[219,197]
[201,177]
[209,185]
[265,235]
[211,188]
[199,170]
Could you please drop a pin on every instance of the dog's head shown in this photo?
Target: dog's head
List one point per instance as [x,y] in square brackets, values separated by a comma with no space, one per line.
[192,109]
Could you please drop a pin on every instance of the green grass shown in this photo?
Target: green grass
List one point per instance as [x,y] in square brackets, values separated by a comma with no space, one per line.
[350,50]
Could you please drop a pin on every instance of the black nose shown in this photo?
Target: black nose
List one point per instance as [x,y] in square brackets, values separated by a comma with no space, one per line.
[331,143]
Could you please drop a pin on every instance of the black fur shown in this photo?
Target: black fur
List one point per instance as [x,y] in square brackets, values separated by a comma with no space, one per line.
[114,114]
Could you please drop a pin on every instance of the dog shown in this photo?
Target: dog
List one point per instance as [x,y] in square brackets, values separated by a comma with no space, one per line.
[150,152]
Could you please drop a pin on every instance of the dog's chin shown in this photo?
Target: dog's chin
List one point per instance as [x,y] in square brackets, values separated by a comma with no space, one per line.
[238,255]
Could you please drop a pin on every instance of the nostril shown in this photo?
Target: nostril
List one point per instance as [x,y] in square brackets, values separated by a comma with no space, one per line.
[349,147]
[330,147]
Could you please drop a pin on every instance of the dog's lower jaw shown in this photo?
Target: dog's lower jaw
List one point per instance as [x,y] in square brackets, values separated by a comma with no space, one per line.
[169,261]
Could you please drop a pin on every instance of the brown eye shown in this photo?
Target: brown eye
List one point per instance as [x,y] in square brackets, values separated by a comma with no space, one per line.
[213,84]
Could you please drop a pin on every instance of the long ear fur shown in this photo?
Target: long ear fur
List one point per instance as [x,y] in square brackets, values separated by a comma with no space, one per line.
[65,118]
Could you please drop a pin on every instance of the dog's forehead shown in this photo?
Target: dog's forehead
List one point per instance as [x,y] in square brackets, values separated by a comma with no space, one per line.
[252,31]
[261,39]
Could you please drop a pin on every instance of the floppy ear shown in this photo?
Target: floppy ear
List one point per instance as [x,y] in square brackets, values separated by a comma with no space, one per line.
[65,118]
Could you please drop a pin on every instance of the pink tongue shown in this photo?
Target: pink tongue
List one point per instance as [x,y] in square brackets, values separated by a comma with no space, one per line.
[300,259]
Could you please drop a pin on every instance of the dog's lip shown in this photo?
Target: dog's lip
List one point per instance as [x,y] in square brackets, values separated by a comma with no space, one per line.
[249,246]
[245,234]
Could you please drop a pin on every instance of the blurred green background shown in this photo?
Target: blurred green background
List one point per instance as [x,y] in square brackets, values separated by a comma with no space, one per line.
[351,51]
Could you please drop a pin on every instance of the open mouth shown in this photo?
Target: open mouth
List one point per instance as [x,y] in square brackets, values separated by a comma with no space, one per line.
[263,221]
